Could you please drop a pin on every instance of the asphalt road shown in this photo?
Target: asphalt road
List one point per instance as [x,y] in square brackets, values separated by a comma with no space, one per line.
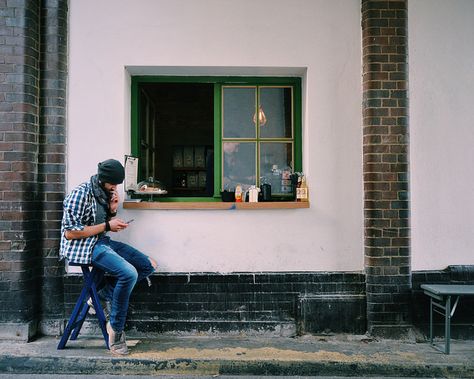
[48,376]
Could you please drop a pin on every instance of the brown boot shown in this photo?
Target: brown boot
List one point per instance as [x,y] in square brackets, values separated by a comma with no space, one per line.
[117,344]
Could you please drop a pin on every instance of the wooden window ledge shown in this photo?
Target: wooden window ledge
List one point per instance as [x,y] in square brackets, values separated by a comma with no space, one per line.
[165,205]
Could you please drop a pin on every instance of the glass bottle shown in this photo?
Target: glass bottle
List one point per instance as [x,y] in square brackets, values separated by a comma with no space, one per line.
[238,194]
[302,192]
[276,179]
[286,180]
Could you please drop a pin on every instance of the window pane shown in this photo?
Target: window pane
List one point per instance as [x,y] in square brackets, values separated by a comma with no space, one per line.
[238,112]
[275,163]
[177,137]
[239,164]
[276,105]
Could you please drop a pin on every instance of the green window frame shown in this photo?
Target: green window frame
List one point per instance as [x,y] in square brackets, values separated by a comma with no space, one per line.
[219,84]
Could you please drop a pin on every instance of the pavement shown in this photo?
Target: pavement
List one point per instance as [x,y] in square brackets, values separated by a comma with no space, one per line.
[243,355]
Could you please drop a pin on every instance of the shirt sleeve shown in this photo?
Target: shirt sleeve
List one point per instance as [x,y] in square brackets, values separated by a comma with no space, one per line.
[74,207]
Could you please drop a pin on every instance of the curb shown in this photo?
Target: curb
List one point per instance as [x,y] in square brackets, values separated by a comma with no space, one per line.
[124,366]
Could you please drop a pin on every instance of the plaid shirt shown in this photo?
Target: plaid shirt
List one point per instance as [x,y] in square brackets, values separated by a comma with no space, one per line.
[79,210]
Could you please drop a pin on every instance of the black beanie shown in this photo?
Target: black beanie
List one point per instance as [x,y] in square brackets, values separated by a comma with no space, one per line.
[111,171]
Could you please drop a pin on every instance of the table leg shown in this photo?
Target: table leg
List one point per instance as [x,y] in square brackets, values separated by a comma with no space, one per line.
[431,320]
[447,325]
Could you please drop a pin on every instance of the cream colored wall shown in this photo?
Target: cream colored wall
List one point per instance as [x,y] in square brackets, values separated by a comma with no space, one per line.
[317,39]
[441,40]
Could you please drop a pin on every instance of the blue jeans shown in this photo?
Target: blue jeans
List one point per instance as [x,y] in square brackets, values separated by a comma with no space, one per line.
[128,266]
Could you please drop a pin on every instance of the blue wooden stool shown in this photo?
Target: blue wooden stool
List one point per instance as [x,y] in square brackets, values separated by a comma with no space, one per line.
[89,290]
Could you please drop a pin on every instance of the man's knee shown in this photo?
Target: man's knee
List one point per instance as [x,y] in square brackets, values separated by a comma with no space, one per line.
[153,263]
[129,275]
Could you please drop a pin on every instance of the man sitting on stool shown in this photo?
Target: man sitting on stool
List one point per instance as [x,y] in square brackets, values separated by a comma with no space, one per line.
[89,213]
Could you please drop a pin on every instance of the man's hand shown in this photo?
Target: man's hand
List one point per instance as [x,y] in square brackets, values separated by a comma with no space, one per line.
[114,201]
[117,224]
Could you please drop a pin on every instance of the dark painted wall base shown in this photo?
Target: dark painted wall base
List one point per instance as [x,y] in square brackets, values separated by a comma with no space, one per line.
[392,331]
[282,304]
[267,303]
[332,312]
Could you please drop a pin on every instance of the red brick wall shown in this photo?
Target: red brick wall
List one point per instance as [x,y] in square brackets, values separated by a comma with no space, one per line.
[52,152]
[385,149]
[32,159]
[19,213]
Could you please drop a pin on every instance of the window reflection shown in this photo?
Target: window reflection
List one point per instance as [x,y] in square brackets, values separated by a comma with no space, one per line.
[238,112]
[239,164]
[276,103]
[276,164]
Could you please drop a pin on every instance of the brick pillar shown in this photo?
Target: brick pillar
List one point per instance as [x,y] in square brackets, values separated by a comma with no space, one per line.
[52,157]
[19,214]
[385,147]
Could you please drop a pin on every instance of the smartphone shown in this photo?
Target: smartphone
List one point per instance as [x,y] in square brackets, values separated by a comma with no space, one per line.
[129,221]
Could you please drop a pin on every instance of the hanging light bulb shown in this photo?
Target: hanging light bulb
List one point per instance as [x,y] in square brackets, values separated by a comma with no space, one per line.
[262,119]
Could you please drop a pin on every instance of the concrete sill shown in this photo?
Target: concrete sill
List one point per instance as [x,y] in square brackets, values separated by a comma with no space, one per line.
[214,205]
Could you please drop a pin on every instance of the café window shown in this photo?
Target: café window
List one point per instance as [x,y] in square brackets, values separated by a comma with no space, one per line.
[199,136]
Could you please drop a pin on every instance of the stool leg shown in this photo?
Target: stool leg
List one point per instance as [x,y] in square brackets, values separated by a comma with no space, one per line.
[79,313]
[93,277]
[100,314]
[72,320]
[80,320]
[90,279]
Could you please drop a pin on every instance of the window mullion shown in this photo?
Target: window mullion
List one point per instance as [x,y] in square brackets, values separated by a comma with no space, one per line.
[218,140]
[257,142]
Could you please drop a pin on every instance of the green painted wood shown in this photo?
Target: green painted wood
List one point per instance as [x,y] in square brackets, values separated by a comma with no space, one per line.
[218,82]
